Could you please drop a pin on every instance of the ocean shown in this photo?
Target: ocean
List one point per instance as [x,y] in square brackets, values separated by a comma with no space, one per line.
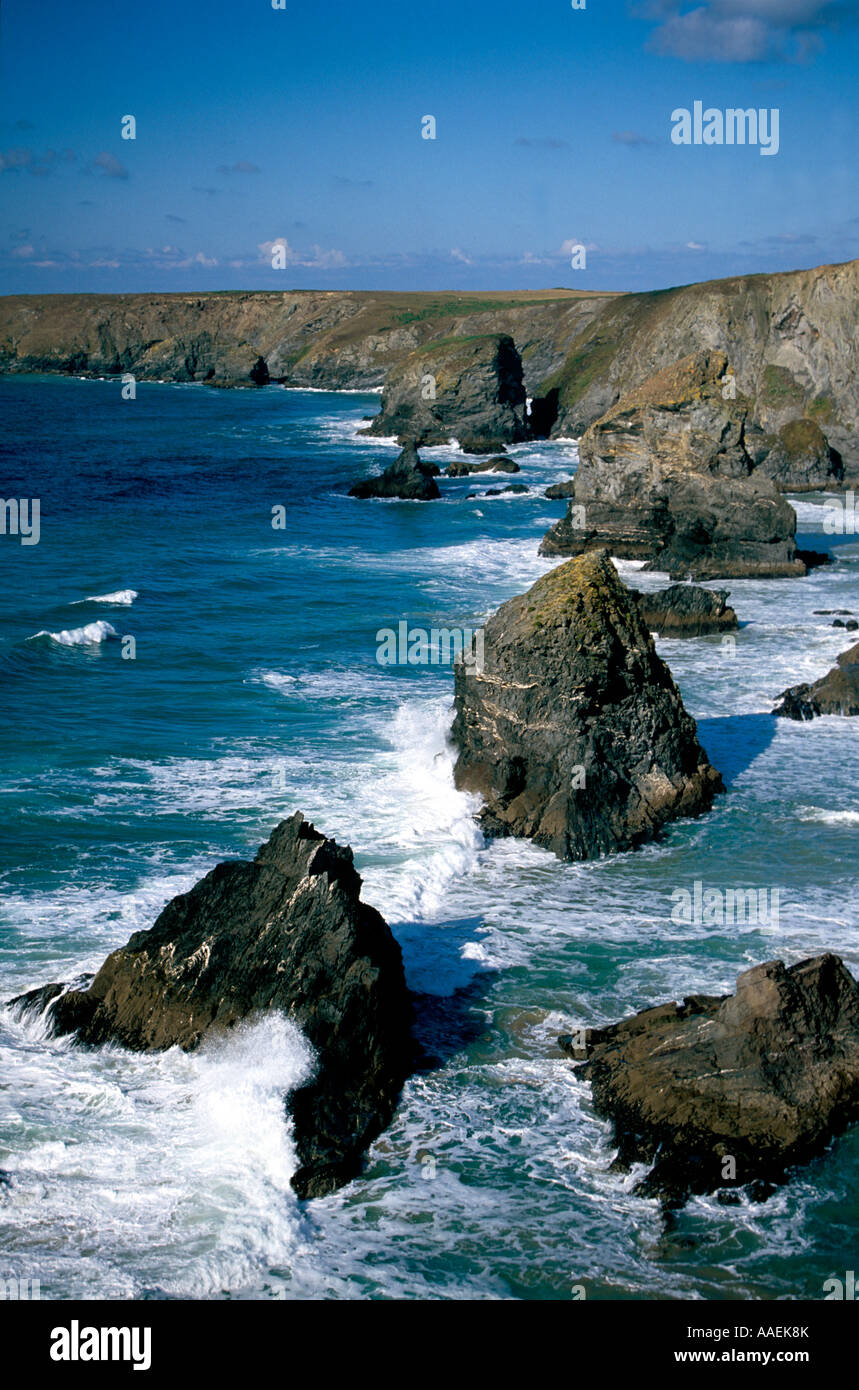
[252,689]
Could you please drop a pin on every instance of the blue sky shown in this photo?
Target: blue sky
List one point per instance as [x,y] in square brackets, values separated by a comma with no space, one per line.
[303,126]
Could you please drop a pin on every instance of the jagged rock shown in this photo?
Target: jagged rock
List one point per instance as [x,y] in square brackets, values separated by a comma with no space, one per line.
[468,388]
[685,610]
[835,693]
[406,478]
[462,468]
[766,1077]
[288,932]
[665,477]
[500,491]
[571,727]
[800,459]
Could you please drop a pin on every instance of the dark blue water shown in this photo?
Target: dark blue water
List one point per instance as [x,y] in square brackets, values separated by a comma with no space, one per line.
[251,689]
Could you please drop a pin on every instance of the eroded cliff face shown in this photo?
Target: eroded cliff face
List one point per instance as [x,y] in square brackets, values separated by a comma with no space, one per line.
[471,388]
[790,338]
[671,475]
[332,340]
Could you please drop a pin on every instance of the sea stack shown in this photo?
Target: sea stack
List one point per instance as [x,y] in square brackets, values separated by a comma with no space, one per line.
[570,726]
[727,1091]
[407,478]
[287,932]
[686,610]
[469,388]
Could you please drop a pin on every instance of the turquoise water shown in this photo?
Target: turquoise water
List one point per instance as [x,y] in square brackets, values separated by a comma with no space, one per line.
[255,691]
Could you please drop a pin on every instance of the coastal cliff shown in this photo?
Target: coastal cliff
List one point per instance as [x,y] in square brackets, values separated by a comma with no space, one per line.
[790,339]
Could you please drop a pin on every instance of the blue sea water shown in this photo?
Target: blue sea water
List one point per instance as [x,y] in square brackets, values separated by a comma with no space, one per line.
[255,691]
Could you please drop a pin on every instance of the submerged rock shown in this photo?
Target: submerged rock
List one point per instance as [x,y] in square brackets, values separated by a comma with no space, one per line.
[288,932]
[686,610]
[667,476]
[471,388]
[407,478]
[571,727]
[461,468]
[835,693]
[726,1091]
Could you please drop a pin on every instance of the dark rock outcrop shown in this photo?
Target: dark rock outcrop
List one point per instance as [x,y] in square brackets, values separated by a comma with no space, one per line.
[835,693]
[558,491]
[463,468]
[666,476]
[686,610]
[468,388]
[570,726]
[259,373]
[287,932]
[764,1077]
[406,478]
[799,458]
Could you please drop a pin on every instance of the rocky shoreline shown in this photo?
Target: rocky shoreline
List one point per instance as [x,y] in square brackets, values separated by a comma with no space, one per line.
[568,726]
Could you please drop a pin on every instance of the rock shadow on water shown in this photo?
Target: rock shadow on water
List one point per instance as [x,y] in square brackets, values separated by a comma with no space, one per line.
[735,741]
[448,989]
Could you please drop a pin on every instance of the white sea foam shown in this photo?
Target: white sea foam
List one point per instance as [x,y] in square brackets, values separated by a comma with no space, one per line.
[122,598]
[823,816]
[90,635]
[187,1157]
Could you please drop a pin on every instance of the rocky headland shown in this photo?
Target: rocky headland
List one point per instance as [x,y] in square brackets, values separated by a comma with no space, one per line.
[571,727]
[284,932]
[671,475]
[790,339]
[471,388]
[730,1091]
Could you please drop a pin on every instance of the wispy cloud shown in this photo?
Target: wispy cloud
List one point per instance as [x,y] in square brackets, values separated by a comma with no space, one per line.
[744,31]
[21,159]
[542,142]
[242,166]
[108,165]
[631,138]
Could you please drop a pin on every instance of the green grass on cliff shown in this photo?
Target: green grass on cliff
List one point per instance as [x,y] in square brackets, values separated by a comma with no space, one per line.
[444,308]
